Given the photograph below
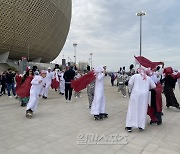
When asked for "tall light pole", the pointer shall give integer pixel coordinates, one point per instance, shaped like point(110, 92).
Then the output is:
point(91, 59)
point(75, 45)
point(140, 14)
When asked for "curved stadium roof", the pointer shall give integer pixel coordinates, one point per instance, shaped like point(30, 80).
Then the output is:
point(37, 27)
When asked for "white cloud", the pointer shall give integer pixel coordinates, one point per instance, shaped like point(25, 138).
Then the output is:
point(110, 30)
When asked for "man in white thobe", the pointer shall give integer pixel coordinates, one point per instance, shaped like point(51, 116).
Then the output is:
point(62, 83)
point(139, 86)
point(37, 84)
point(98, 104)
point(49, 77)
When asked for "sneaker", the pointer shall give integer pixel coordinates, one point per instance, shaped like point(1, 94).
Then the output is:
point(129, 129)
point(124, 96)
point(140, 129)
point(15, 96)
point(29, 114)
point(44, 97)
point(10, 96)
point(177, 107)
point(159, 122)
point(153, 122)
point(76, 97)
point(67, 101)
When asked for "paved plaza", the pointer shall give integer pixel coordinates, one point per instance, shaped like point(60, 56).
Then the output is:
point(68, 128)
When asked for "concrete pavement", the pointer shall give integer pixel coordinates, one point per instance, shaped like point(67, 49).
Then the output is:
point(68, 128)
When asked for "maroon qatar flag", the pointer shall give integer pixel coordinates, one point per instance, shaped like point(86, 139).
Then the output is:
point(55, 84)
point(146, 62)
point(24, 89)
point(83, 81)
point(18, 79)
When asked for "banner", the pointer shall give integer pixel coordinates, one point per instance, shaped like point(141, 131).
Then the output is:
point(146, 62)
point(82, 82)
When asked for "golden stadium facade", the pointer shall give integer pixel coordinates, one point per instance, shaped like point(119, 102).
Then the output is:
point(36, 29)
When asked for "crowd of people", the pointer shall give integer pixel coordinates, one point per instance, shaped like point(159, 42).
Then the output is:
point(32, 84)
point(144, 86)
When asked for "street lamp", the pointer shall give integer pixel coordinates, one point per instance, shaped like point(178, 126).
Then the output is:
point(75, 45)
point(140, 14)
point(91, 59)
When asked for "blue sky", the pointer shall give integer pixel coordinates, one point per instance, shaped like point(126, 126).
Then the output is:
point(110, 30)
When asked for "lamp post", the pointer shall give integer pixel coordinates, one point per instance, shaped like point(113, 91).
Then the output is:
point(75, 45)
point(91, 59)
point(140, 14)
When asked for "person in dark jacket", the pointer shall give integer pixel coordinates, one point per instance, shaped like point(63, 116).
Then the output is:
point(112, 78)
point(68, 76)
point(3, 83)
point(10, 82)
point(169, 86)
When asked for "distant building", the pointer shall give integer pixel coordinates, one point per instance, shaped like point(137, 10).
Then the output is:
point(82, 66)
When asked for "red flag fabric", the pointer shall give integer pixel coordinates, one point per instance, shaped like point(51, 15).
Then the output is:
point(24, 89)
point(18, 79)
point(83, 81)
point(158, 90)
point(146, 62)
point(151, 111)
point(55, 84)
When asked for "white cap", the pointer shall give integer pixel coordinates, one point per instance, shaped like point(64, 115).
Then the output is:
point(49, 68)
point(43, 72)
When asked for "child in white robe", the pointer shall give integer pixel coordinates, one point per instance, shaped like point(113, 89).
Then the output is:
point(37, 84)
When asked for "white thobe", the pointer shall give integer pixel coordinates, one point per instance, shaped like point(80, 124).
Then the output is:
point(62, 83)
point(98, 104)
point(178, 80)
point(35, 91)
point(138, 102)
point(159, 73)
point(49, 77)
